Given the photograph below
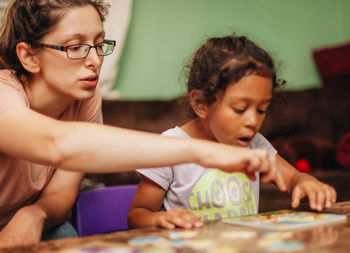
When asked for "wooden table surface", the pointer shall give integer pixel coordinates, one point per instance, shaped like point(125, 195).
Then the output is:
point(210, 238)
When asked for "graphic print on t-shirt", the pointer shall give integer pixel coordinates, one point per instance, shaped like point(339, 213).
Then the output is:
point(220, 195)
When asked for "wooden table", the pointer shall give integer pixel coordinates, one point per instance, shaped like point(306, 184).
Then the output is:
point(334, 238)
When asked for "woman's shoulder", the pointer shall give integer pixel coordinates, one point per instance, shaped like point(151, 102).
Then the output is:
point(12, 93)
point(8, 77)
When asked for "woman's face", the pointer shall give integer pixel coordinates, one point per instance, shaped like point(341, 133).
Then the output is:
point(67, 78)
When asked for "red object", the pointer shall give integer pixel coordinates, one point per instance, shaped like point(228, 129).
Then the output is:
point(303, 165)
point(343, 151)
point(333, 61)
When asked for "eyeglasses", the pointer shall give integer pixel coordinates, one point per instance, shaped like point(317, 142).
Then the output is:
point(81, 51)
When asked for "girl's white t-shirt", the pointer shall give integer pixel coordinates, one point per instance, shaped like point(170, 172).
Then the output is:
point(209, 192)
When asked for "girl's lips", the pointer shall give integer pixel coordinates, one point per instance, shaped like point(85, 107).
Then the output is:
point(244, 141)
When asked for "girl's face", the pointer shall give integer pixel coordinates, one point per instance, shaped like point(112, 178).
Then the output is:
point(239, 113)
point(63, 77)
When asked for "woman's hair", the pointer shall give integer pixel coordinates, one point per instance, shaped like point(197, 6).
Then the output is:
point(225, 60)
point(29, 21)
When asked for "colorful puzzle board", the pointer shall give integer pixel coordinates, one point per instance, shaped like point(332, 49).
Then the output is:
point(286, 220)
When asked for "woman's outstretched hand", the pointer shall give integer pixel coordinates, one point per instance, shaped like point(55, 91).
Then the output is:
point(249, 161)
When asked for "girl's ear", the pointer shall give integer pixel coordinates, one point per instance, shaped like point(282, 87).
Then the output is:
point(198, 103)
point(28, 57)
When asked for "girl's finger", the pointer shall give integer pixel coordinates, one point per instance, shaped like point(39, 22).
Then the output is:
point(321, 197)
point(334, 195)
point(180, 222)
point(312, 200)
point(189, 217)
point(329, 196)
point(296, 196)
point(164, 223)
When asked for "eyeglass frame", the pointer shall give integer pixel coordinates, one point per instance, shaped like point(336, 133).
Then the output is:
point(65, 48)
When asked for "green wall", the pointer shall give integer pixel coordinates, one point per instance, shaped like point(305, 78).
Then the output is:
point(163, 35)
point(345, 7)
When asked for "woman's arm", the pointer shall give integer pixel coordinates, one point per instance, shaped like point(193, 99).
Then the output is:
point(52, 208)
point(300, 185)
point(58, 197)
point(88, 147)
point(144, 209)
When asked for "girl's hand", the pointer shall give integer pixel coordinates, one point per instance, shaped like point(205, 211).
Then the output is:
point(178, 217)
point(25, 228)
point(320, 194)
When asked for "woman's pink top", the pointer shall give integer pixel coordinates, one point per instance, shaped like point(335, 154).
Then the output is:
point(17, 188)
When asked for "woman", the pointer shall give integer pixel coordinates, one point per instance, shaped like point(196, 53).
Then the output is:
point(51, 55)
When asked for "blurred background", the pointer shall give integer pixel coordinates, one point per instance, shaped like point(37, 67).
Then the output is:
point(157, 38)
point(163, 35)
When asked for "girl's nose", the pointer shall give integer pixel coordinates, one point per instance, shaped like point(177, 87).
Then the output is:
point(251, 119)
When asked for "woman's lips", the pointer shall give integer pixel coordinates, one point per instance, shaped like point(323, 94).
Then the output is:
point(90, 81)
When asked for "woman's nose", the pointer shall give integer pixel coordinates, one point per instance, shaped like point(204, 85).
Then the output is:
point(93, 58)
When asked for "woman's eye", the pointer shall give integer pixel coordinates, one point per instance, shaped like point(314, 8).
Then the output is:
point(75, 48)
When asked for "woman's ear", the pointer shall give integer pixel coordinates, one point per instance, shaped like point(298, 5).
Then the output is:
point(28, 57)
point(198, 103)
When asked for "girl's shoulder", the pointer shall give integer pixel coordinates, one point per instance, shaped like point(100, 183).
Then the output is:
point(260, 142)
point(176, 132)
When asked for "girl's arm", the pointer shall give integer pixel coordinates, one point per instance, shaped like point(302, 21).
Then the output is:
point(144, 209)
point(50, 209)
point(88, 147)
point(300, 185)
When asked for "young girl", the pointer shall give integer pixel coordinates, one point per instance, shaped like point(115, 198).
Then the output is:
point(230, 86)
point(51, 52)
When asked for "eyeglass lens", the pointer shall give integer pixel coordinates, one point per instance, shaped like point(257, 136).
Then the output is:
point(81, 51)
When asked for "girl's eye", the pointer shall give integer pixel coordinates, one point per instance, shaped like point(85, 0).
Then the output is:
point(261, 111)
point(239, 110)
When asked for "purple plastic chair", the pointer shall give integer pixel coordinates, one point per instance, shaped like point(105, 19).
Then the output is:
point(103, 210)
